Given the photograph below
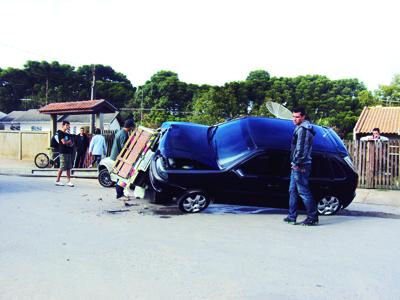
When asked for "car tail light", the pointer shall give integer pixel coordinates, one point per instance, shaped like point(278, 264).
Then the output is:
point(349, 162)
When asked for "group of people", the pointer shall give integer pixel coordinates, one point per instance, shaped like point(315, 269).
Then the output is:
point(97, 148)
point(72, 150)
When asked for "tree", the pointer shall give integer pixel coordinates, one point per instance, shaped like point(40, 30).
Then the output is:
point(110, 85)
point(390, 94)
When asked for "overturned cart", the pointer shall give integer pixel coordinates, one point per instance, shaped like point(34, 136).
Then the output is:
point(132, 164)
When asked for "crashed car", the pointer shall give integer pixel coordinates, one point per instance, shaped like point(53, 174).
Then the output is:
point(246, 161)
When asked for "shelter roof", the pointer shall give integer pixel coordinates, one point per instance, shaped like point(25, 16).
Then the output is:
point(79, 107)
point(387, 119)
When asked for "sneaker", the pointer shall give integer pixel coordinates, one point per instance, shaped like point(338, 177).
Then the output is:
point(59, 183)
point(289, 220)
point(70, 184)
point(123, 198)
point(310, 222)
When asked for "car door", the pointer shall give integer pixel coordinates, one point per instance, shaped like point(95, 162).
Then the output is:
point(321, 177)
point(259, 180)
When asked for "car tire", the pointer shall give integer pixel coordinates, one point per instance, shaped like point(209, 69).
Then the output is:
point(193, 201)
point(105, 178)
point(329, 205)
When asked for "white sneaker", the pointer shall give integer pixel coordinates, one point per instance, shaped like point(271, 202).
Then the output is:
point(124, 198)
point(70, 183)
point(59, 183)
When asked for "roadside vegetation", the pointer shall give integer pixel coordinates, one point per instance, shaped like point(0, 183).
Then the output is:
point(335, 103)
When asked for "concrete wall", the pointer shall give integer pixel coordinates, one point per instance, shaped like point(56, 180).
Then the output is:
point(23, 144)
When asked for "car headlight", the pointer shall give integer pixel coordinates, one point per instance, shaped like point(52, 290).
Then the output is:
point(160, 167)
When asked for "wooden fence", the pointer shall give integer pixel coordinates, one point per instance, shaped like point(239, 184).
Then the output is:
point(377, 163)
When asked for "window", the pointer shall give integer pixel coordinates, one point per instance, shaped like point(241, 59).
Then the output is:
point(337, 169)
point(320, 167)
point(270, 164)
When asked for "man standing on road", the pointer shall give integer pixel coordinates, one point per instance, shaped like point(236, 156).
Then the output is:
point(65, 148)
point(119, 142)
point(82, 143)
point(300, 157)
point(97, 147)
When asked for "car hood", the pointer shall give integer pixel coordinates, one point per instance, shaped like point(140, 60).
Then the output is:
point(186, 140)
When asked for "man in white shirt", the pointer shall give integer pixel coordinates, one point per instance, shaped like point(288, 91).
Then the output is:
point(376, 136)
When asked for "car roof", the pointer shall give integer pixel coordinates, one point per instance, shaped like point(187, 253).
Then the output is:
point(273, 133)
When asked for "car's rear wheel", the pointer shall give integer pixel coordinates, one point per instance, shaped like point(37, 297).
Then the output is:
point(105, 178)
point(328, 205)
point(193, 201)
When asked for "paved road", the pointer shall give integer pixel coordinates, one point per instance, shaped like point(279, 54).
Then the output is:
point(80, 243)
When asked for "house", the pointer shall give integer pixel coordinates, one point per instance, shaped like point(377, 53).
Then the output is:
point(8, 121)
point(387, 119)
point(32, 120)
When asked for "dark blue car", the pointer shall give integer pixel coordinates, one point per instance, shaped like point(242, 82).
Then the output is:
point(246, 161)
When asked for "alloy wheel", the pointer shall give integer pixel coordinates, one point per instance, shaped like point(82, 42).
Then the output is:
point(328, 205)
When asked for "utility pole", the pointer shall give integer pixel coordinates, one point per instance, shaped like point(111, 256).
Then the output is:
point(141, 109)
point(93, 82)
point(47, 89)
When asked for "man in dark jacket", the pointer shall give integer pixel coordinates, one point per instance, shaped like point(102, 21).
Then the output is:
point(119, 142)
point(81, 143)
point(300, 157)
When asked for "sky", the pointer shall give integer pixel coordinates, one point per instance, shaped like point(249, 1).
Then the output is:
point(208, 41)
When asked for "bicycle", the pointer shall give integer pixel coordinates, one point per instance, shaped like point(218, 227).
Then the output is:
point(43, 160)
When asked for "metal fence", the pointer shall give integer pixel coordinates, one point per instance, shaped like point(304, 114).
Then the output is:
point(377, 163)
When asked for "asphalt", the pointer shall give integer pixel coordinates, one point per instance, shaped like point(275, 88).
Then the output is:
point(27, 168)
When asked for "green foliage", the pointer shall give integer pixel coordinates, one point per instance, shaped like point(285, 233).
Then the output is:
point(43, 82)
point(335, 103)
point(390, 94)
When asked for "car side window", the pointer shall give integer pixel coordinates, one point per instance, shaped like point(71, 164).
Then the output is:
point(337, 169)
point(269, 164)
point(320, 167)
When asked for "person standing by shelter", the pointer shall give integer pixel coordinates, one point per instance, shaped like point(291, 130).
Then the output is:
point(65, 148)
point(97, 147)
point(300, 158)
point(81, 143)
point(119, 141)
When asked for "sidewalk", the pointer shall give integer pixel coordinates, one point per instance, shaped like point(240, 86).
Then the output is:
point(364, 196)
point(9, 166)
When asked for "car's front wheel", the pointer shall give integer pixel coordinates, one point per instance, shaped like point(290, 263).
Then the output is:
point(105, 178)
point(328, 205)
point(193, 201)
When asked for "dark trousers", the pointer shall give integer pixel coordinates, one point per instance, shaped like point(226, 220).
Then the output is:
point(79, 159)
point(119, 190)
point(96, 160)
point(299, 188)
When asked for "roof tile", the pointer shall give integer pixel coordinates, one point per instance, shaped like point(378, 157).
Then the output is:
point(387, 119)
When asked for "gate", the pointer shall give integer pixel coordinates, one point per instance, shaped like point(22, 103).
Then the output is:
point(377, 163)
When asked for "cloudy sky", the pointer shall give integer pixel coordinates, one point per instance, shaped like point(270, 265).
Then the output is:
point(208, 41)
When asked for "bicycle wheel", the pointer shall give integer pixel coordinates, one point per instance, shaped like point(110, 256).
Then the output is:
point(42, 160)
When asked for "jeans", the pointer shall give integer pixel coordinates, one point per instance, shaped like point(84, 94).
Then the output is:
point(299, 187)
point(96, 160)
point(120, 190)
point(79, 159)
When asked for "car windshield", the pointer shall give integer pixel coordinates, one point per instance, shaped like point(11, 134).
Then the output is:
point(231, 141)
